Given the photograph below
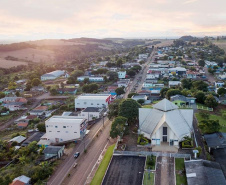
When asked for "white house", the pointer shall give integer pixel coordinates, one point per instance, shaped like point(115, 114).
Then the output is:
point(143, 56)
point(165, 123)
point(92, 100)
point(91, 78)
point(219, 84)
point(174, 83)
point(64, 128)
point(91, 113)
point(177, 71)
point(21, 180)
point(121, 74)
point(52, 75)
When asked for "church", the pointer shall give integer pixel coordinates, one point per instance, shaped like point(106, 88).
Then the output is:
point(165, 123)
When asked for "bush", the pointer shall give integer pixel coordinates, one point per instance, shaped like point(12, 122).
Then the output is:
point(199, 149)
point(141, 140)
point(150, 162)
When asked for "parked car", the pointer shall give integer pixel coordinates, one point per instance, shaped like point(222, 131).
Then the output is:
point(76, 155)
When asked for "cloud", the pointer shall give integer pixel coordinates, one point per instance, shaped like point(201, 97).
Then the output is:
point(31, 19)
point(190, 1)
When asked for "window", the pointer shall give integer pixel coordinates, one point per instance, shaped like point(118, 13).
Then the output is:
point(91, 103)
point(75, 132)
point(50, 131)
point(66, 131)
point(56, 126)
point(46, 125)
point(58, 131)
point(64, 126)
point(84, 102)
point(164, 130)
point(78, 103)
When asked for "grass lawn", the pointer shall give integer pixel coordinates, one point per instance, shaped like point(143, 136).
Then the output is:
point(214, 117)
point(147, 106)
point(148, 166)
point(180, 171)
point(7, 134)
point(97, 179)
point(148, 180)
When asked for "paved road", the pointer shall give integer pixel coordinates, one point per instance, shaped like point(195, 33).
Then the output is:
point(165, 171)
point(79, 175)
point(209, 76)
point(141, 74)
point(88, 160)
point(65, 167)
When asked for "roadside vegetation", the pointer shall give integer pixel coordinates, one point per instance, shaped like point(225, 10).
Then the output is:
point(180, 171)
point(98, 178)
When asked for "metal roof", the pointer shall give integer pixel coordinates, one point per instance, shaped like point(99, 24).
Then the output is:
point(206, 173)
point(165, 105)
point(216, 140)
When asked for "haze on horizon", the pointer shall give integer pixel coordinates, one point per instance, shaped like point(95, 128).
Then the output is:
point(57, 19)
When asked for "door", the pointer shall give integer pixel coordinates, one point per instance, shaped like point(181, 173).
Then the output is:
point(164, 134)
point(164, 138)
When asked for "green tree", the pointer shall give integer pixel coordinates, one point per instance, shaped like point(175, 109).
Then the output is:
point(112, 75)
point(221, 91)
point(118, 126)
point(200, 85)
point(2, 94)
point(36, 82)
point(119, 62)
point(131, 73)
point(89, 88)
point(129, 109)
point(86, 80)
point(119, 91)
point(186, 83)
point(201, 63)
point(163, 92)
point(53, 91)
point(41, 127)
point(200, 97)
point(210, 101)
point(17, 93)
point(210, 126)
point(172, 92)
point(141, 101)
point(204, 115)
point(12, 85)
point(113, 108)
point(131, 94)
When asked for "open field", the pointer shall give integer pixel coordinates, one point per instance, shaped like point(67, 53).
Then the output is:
point(125, 170)
point(148, 178)
point(9, 63)
point(214, 117)
point(221, 44)
point(164, 43)
point(34, 55)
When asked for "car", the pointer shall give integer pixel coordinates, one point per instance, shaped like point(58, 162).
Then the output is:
point(76, 155)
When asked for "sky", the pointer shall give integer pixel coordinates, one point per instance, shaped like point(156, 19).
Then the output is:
point(63, 19)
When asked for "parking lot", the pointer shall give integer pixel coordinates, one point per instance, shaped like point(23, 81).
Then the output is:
point(125, 170)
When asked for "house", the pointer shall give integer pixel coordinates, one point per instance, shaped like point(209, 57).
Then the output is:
point(139, 97)
point(222, 100)
point(165, 123)
point(34, 137)
point(203, 172)
point(219, 84)
point(191, 74)
point(21, 180)
point(92, 100)
point(123, 83)
point(37, 89)
point(178, 71)
point(209, 64)
point(25, 119)
point(155, 95)
point(122, 74)
point(67, 90)
point(53, 151)
point(52, 75)
point(91, 78)
point(91, 113)
point(143, 56)
point(64, 128)
point(174, 84)
point(182, 100)
point(14, 106)
point(111, 89)
point(22, 125)
point(40, 110)
point(13, 99)
point(18, 139)
point(215, 140)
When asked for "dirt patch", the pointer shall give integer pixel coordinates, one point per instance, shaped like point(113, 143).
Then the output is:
point(9, 63)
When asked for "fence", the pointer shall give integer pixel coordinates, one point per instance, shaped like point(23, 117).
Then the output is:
point(157, 154)
point(204, 108)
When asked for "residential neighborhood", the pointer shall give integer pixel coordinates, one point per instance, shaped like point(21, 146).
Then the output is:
point(156, 114)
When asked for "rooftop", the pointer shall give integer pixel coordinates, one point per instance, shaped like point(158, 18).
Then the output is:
point(216, 140)
point(165, 105)
point(52, 149)
point(202, 172)
point(92, 109)
point(93, 96)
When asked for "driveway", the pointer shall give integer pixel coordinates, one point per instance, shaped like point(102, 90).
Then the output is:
point(165, 171)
